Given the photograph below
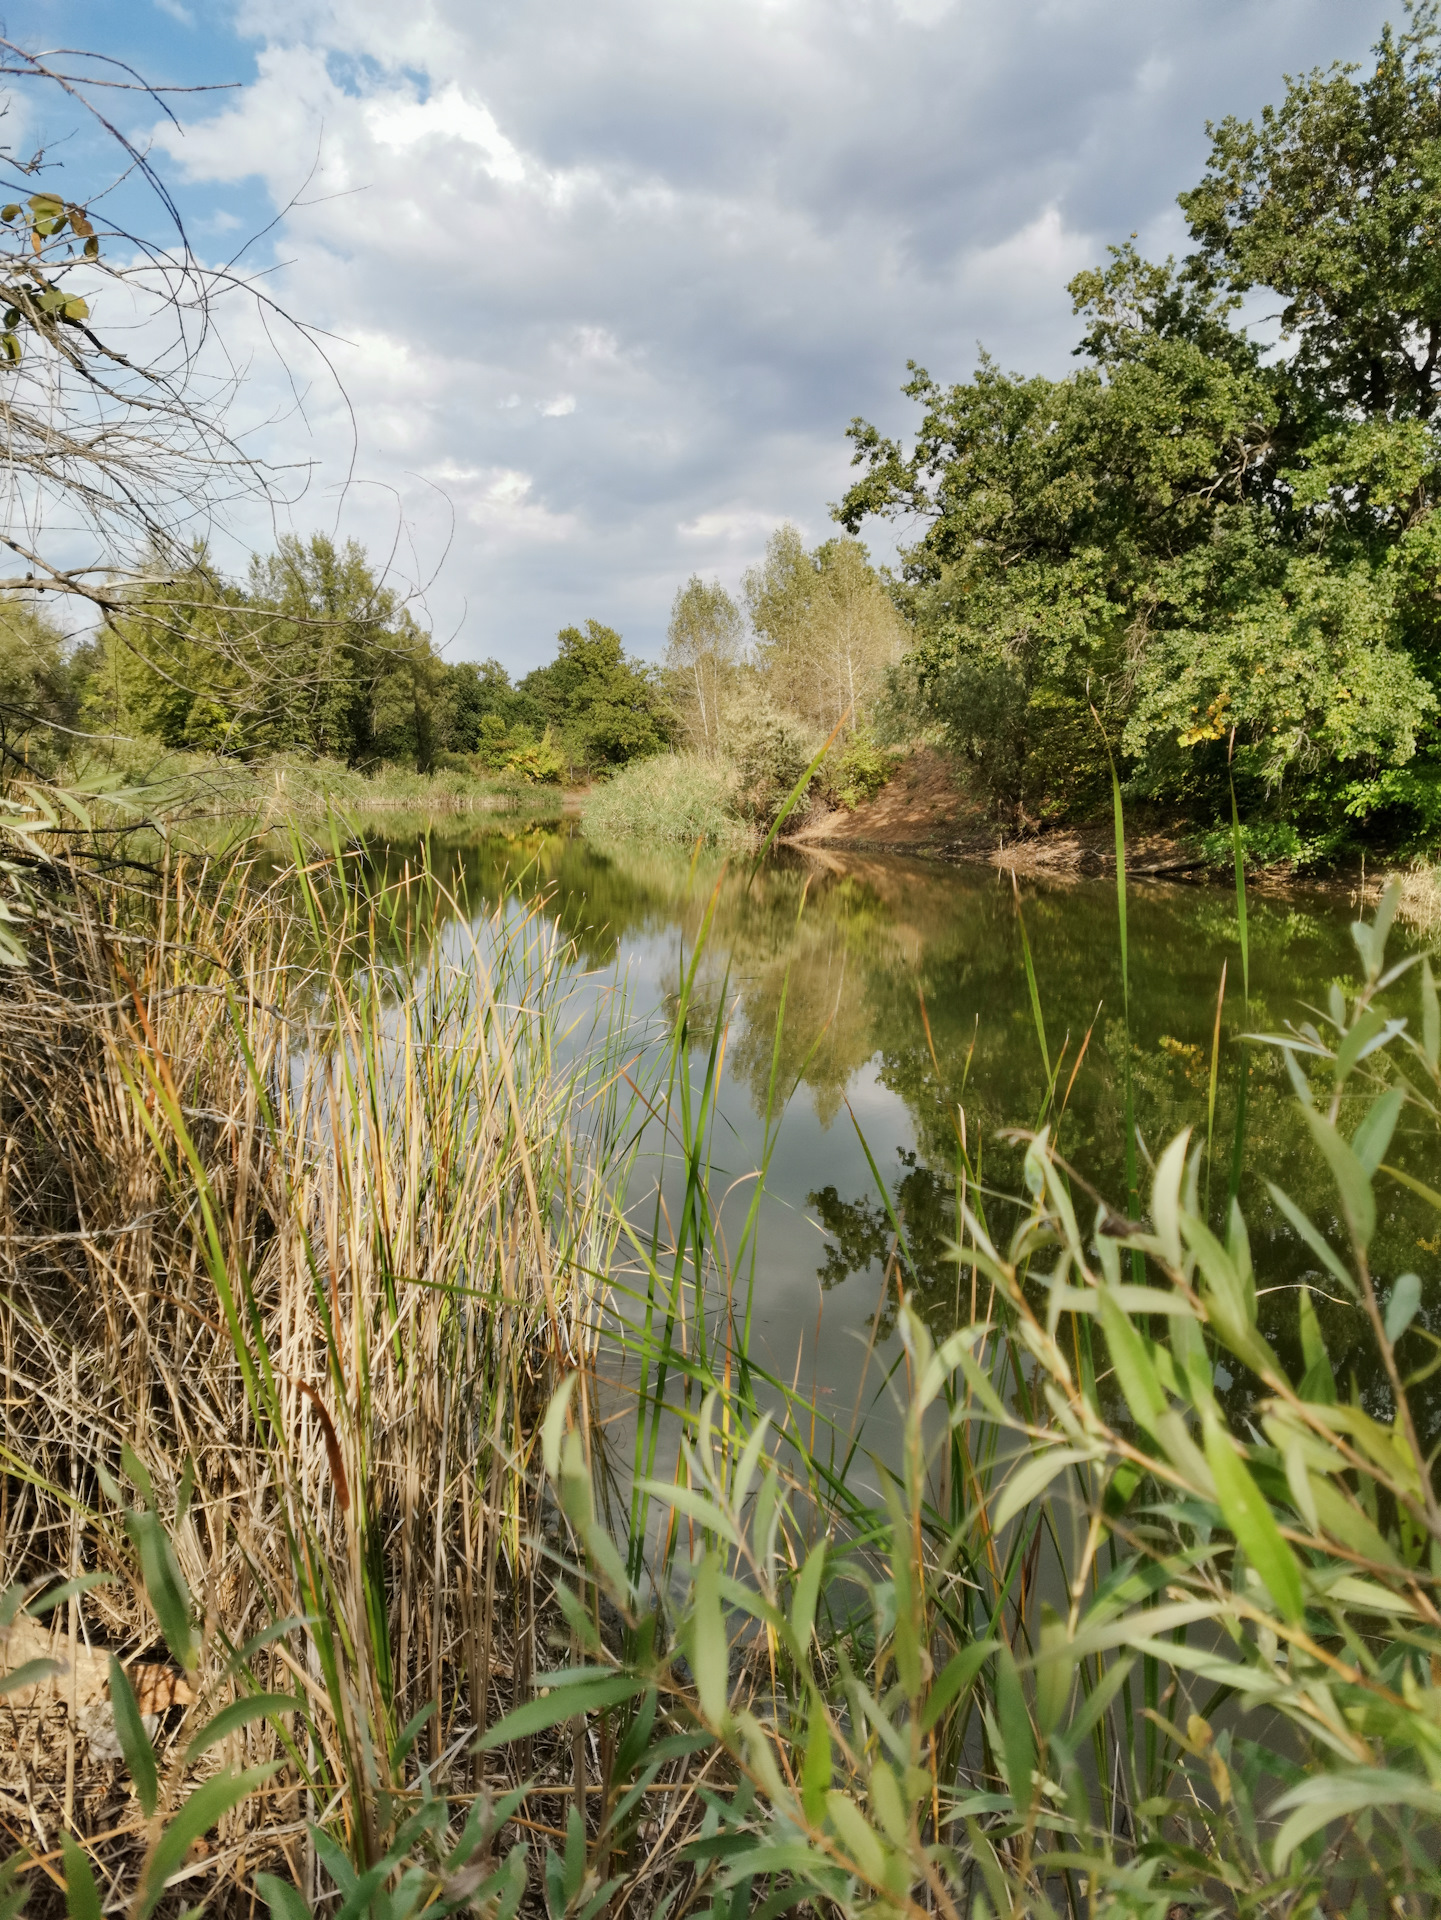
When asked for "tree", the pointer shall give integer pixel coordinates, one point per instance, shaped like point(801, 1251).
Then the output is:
point(1334, 202)
point(1232, 558)
point(485, 715)
point(42, 677)
point(826, 629)
point(705, 645)
point(604, 707)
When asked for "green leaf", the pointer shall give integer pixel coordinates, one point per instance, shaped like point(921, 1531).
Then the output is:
point(1329, 1259)
point(589, 1692)
point(1252, 1522)
point(957, 1674)
point(1352, 1179)
point(805, 1598)
point(1336, 1796)
point(198, 1815)
point(82, 1897)
point(134, 1741)
point(284, 1901)
point(1401, 1307)
point(1318, 1383)
point(1036, 1473)
point(816, 1768)
point(164, 1584)
point(1430, 1018)
point(29, 1675)
point(1132, 1364)
point(1378, 1123)
point(240, 1713)
point(709, 1651)
point(857, 1836)
point(1018, 1741)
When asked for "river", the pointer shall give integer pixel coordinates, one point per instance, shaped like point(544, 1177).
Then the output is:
point(908, 1017)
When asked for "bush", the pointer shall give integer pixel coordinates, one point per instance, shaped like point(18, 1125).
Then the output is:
point(540, 761)
point(676, 796)
point(769, 750)
point(859, 771)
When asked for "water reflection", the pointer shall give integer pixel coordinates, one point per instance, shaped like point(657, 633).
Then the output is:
point(907, 1020)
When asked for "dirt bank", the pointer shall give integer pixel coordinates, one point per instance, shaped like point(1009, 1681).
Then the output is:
point(926, 810)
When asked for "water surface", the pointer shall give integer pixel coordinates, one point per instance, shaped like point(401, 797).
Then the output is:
point(909, 1023)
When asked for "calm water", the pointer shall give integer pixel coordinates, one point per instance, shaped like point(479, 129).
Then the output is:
point(907, 1007)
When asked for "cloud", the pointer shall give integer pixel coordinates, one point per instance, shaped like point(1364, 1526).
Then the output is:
point(705, 236)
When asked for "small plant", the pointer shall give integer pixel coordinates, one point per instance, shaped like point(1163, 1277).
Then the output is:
point(859, 771)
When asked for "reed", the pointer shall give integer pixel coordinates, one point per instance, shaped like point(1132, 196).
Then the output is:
point(377, 1331)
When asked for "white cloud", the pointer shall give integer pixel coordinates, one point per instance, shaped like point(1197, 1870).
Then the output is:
point(557, 409)
point(400, 123)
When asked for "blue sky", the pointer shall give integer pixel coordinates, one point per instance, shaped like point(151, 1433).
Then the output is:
point(603, 284)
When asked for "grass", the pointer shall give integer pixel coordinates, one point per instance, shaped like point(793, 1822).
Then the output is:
point(332, 1266)
point(288, 787)
point(676, 796)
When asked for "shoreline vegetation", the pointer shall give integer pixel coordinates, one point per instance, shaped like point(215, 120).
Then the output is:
point(329, 1273)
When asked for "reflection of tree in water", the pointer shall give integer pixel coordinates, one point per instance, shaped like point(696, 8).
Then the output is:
point(863, 1239)
point(855, 946)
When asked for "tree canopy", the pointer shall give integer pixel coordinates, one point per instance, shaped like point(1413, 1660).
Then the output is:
point(1214, 552)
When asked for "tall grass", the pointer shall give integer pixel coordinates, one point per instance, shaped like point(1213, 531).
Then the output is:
point(676, 796)
point(331, 1264)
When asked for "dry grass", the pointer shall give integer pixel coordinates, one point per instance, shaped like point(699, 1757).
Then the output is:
point(280, 1226)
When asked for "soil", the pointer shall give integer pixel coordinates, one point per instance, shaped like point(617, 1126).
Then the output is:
point(926, 810)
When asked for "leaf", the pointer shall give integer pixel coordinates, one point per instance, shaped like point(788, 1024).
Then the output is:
point(284, 1901)
point(1430, 1018)
point(240, 1713)
point(1132, 1364)
point(134, 1742)
point(1334, 1796)
point(82, 1897)
point(1018, 1742)
point(858, 1837)
point(1166, 1196)
point(1027, 1481)
point(1352, 1180)
point(1378, 1123)
point(1401, 1307)
point(588, 1693)
point(805, 1598)
point(1252, 1522)
point(200, 1812)
point(1319, 1381)
point(957, 1674)
point(29, 1675)
point(1323, 1252)
point(164, 1584)
point(816, 1767)
point(709, 1651)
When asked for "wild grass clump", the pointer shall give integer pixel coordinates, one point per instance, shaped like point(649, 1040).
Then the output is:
point(675, 796)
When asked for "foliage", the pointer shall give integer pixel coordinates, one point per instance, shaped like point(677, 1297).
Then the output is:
point(670, 796)
point(826, 630)
point(858, 771)
point(769, 750)
point(605, 709)
point(1227, 554)
point(704, 650)
point(485, 715)
point(42, 681)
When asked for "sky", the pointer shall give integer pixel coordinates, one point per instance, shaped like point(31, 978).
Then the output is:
point(601, 286)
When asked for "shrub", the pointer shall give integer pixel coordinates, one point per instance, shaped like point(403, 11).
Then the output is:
point(859, 771)
point(769, 750)
point(676, 796)
point(540, 761)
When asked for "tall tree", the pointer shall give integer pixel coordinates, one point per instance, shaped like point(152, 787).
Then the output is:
point(605, 708)
point(705, 645)
point(827, 631)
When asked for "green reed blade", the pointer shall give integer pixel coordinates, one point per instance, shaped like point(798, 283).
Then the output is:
point(1238, 1148)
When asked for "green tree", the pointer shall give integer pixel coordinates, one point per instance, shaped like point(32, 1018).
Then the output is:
point(1231, 555)
point(604, 707)
point(42, 685)
point(826, 629)
point(705, 646)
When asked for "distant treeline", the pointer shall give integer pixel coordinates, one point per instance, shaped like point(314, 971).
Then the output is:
point(316, 655)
